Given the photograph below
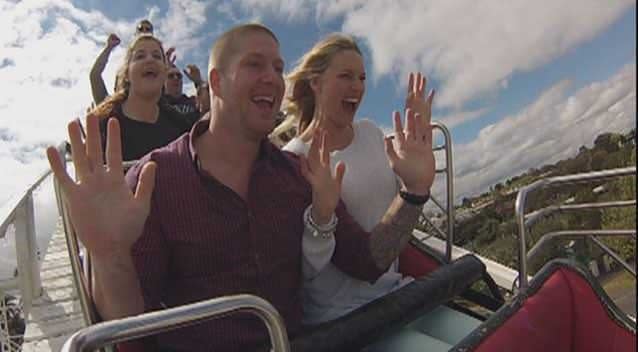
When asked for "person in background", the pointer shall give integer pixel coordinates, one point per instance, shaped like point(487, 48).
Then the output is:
point(173, 91)
point(98, 88)
point(145, 122)
point(144, 27)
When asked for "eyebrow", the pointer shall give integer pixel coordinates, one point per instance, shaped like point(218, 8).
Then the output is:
point(349, 70)
point(258, 55)
point(154, 51)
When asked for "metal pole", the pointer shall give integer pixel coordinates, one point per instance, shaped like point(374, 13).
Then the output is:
point(450, 189)
point(614, 255)
point(112, 332)
point(568, 179)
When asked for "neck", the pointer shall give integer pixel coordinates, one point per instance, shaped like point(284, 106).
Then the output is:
point(339, 137)
point(227, 156)
point(221, 145)
point(141, 108)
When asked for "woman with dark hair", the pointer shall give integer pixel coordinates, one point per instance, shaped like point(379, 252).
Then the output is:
point(145, 122)
point(98, 88)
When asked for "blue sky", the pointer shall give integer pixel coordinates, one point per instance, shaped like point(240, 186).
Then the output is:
point(520, 83)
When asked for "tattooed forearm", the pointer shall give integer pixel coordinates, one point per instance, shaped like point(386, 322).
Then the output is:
point(394, 231)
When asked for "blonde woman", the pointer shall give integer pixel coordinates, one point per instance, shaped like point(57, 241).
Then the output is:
point(327, 87)
point(145, 123)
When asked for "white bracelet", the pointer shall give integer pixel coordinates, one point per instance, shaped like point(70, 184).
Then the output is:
point(320, 230)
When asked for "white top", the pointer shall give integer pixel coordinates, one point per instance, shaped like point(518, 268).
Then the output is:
point(369, 187)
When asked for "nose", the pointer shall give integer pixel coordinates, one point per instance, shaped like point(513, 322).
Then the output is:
point(358, 86)
point(269, 75)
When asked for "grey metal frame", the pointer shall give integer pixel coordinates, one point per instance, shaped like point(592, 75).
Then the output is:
point(449, 207)
point(525, 221)
point(112, 332)
point(449, 179)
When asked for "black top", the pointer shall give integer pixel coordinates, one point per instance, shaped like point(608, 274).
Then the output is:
point(185, 105)
point(139, 138)
point(182, 103)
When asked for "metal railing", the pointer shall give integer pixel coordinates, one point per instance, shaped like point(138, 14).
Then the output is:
point(112, 332)
point(448, 209)
point(19, 211)
point(526, 220)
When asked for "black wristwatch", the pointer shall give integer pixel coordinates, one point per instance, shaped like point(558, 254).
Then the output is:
point(414, 199)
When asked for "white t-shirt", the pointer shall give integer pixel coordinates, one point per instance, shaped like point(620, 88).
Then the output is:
point(369, 187)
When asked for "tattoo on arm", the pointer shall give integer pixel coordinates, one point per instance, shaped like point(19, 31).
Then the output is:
point(390, 236)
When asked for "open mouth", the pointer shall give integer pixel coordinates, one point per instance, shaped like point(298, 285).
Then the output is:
point(264, 101)
point(350, 104)
point(150, 73)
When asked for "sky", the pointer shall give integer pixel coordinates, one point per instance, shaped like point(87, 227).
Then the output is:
point(519, 83)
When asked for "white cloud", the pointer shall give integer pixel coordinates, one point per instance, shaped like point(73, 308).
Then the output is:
point(472, 47)
point(184, 19)
point(458, 118)
point(548, 130)
point(46, 51)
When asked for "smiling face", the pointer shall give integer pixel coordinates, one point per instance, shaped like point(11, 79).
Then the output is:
point(146, 71)
point(338, 91)
point(252, 85)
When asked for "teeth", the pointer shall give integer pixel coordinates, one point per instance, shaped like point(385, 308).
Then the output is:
point(352, 100)
point(264, 98)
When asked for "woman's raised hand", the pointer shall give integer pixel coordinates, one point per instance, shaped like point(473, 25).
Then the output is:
point(410, 153)
point(106, 215)
point(326, 188)
point(416, 100)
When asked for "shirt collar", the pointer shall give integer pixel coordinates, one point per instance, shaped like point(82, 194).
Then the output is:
point(267, 150)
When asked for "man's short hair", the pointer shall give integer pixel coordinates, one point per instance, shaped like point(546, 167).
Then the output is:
point(227, 43)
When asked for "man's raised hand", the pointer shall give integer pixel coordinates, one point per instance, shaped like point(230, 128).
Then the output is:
point(192, 72)
point(106, 215)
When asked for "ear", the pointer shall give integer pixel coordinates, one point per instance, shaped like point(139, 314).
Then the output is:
point(214, 82)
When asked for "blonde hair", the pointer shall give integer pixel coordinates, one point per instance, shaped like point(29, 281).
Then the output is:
point(123, 84)
point(227, 43)
point(300, 101)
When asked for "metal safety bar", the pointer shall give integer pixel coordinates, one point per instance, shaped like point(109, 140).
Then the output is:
point(116, 331)
point(533, 217)
point(449, 181)
point(586, 234)
point(524, 221)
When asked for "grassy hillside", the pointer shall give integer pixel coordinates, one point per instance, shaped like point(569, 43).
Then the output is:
point(491, 230)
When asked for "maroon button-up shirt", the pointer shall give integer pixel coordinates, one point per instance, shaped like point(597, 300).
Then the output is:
point(202, 240)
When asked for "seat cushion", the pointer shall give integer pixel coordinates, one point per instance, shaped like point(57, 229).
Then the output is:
point(564, 309)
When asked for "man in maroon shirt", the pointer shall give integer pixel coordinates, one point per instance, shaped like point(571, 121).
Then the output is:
point(220, 210)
